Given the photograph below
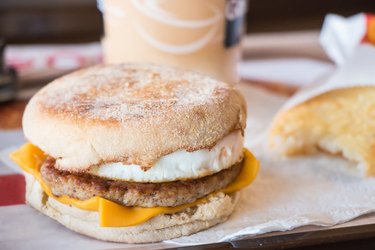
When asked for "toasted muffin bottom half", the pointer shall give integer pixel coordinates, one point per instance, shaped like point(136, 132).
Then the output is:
point(162, 227)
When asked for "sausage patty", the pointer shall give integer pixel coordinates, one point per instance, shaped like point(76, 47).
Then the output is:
point(84, 186)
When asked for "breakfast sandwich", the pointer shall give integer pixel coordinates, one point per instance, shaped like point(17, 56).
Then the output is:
point(135, 153)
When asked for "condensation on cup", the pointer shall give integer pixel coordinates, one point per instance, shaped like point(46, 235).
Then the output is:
point(200, 35)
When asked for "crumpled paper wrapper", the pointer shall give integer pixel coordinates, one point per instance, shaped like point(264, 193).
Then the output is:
point(350, 43)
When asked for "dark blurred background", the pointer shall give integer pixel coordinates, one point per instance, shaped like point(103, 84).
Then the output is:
point(70, 21)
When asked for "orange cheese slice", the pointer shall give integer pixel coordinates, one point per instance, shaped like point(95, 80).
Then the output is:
point(111, 214)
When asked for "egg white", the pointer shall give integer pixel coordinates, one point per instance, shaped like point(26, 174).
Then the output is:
point(180, 165)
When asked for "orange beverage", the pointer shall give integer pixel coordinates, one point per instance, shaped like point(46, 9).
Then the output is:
point(193, 34)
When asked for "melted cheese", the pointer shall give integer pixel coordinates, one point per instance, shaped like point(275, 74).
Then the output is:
point(111, 214)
